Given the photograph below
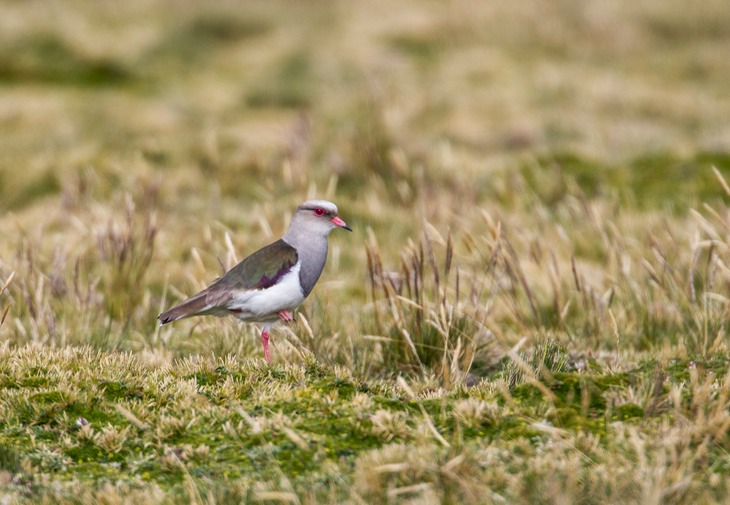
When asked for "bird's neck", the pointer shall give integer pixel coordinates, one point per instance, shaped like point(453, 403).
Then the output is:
point(312, 252)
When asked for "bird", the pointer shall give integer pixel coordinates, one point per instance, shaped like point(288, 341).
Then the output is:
point(270, 284)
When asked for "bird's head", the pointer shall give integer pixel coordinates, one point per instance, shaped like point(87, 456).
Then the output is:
point(317, 216)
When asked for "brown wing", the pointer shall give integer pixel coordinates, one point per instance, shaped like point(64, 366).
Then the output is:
point(260, 270)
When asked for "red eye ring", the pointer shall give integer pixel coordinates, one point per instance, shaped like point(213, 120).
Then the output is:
point(319, 212)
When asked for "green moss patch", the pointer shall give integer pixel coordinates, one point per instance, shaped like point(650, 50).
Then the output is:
point(660, 180)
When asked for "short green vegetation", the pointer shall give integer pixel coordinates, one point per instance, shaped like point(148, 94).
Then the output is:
point(207, 422)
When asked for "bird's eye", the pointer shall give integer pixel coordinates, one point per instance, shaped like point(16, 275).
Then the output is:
point(319, 212)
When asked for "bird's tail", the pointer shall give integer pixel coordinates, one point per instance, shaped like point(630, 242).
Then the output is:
point(191, 307)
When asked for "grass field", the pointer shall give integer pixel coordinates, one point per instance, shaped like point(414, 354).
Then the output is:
point(532, 308)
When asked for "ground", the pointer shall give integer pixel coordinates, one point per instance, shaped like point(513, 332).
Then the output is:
point(533, 305)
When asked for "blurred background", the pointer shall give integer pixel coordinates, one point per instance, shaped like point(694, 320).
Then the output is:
point(219, 97)
point(145, 145)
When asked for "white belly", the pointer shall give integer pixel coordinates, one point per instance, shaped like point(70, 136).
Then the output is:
point(263, 305)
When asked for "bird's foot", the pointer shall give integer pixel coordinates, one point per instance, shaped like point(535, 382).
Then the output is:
point(265, 342)
point(286, 316)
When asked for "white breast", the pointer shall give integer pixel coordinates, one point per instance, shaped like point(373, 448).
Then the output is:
point(262, 305)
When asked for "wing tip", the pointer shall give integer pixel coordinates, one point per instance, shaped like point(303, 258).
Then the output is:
point(194, 306)
point(165, 318)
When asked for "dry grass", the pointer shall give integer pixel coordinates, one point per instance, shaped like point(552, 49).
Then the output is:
point(533, 306)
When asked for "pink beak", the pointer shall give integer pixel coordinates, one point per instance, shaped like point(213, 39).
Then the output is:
point(339, 222)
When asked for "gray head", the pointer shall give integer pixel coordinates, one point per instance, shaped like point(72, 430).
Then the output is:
point(312, 223)
point(315, 217)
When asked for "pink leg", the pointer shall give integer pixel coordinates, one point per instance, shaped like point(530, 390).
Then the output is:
point(265, 342)
point(286, 316)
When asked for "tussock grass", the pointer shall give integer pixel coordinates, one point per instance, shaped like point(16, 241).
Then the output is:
point(533, 307)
